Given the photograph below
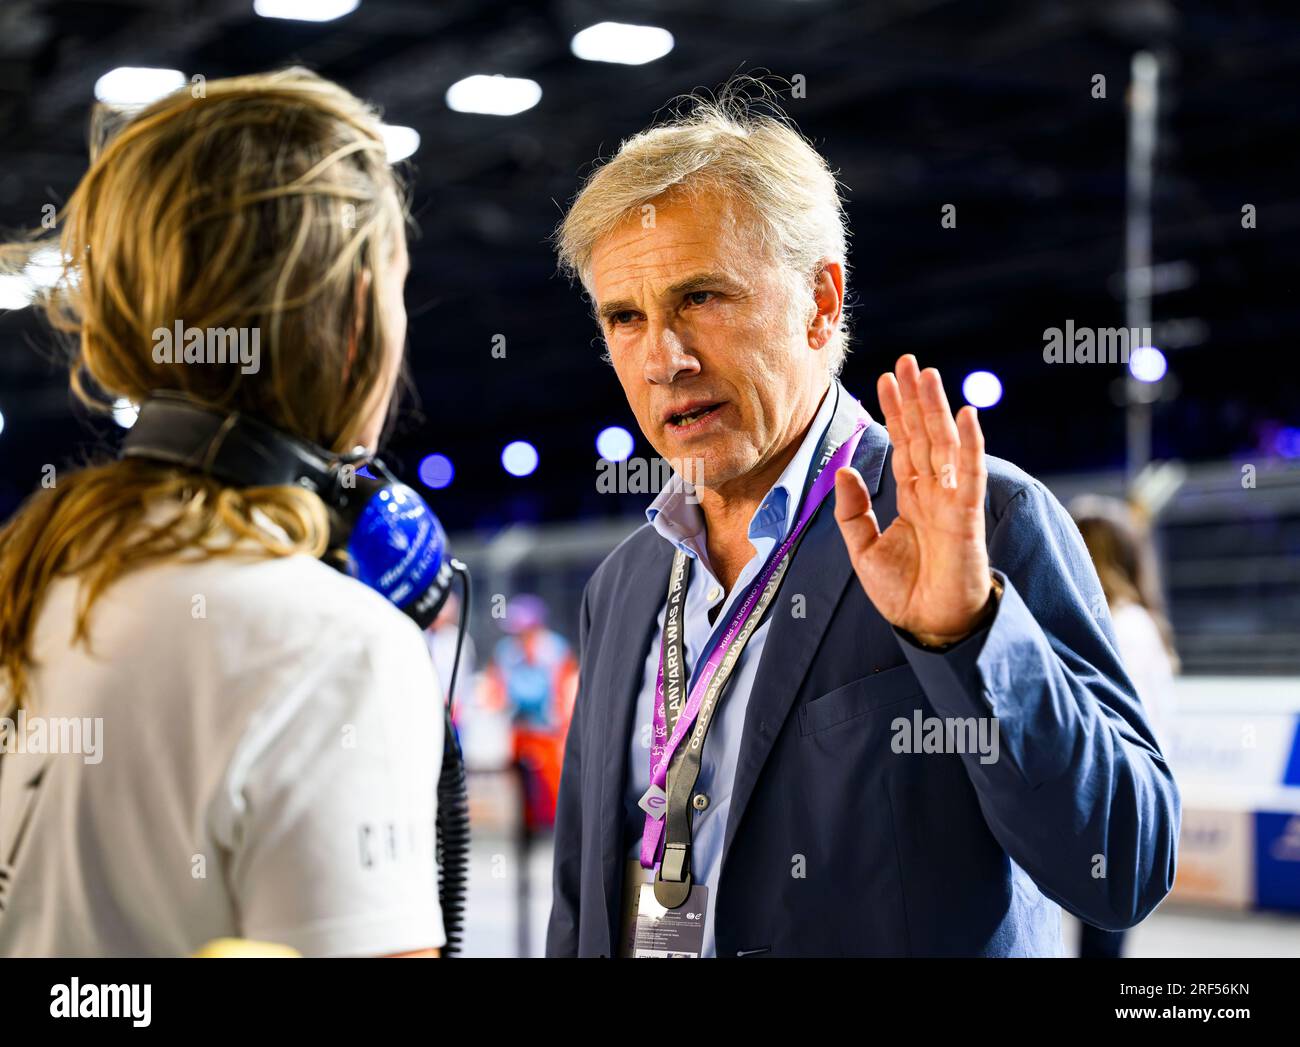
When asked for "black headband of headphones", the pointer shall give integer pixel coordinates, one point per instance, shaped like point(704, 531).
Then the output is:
point(232, 447)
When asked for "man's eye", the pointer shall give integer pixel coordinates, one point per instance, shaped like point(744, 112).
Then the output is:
point(625, 317)
point(699, 297)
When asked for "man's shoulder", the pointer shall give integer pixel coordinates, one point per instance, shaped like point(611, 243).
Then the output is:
point(1007, 482)
point(630, 563)
point(1018, 503)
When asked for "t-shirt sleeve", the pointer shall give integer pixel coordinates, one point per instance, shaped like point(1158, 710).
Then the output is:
point(331, 800)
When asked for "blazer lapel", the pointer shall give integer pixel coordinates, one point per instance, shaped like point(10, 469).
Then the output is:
point(820, 571)
point(634, 615)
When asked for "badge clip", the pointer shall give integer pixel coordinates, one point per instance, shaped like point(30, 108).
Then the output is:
point(673, 878)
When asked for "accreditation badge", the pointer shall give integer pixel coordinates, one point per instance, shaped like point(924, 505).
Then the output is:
point(648, 930)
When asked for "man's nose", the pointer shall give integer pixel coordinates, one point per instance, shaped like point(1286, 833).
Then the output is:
point(668, 359)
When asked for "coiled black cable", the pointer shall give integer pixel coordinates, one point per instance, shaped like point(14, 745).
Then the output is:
point(452, 829)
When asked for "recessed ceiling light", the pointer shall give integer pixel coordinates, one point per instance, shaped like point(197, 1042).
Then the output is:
point(305, 10)
point(131, 85)
point(622, 43)
point(494, 95)
point(400, 142)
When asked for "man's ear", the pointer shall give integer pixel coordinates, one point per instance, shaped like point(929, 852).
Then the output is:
point(828, 297)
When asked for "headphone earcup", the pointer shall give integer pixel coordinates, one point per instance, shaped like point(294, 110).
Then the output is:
point(397, 546)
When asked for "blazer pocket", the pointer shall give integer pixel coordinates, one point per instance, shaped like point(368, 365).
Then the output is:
point(859, 698)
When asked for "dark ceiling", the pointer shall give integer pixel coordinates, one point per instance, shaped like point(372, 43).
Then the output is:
point(918, 104)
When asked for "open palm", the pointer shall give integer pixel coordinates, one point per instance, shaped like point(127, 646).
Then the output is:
point(928, 572)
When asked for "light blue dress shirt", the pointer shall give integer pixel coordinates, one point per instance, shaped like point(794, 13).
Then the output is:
point(680, 522)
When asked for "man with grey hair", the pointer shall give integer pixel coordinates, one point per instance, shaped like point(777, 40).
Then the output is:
point(767, 757)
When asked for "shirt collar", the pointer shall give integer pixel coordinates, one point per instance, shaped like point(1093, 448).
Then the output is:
point(677, 517)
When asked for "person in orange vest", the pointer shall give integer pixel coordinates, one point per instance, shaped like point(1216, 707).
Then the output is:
point(534, 674)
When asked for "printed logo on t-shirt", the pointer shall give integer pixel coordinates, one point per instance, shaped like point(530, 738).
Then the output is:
point(385, 843)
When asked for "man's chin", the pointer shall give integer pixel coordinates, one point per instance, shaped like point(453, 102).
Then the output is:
point(705, 462)
point(705, 467)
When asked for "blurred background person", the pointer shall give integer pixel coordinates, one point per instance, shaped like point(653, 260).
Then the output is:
point(1119, 542)
point(533, 676)
point(441, 638)
point(531, 682)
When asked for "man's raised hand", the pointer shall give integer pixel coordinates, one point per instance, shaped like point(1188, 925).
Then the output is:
point(928, 572)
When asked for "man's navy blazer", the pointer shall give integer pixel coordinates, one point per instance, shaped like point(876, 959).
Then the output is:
point(836, 844)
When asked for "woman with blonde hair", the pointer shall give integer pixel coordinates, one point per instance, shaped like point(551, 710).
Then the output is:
point(266, 753)
point(1118, 538)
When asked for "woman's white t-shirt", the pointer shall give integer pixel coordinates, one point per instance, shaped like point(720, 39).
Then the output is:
point(260, 746)
point(1149, 666)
